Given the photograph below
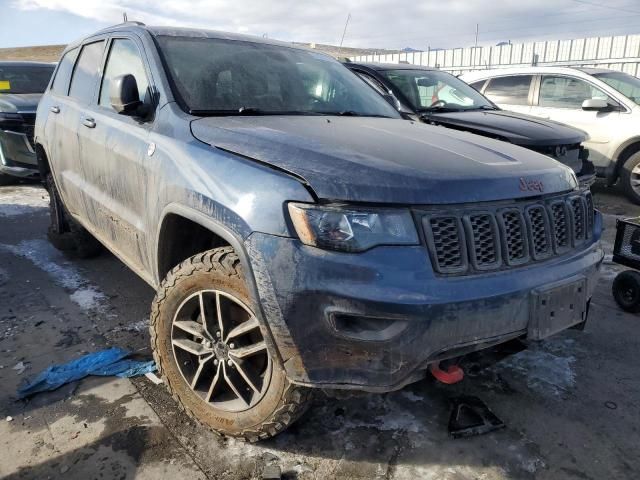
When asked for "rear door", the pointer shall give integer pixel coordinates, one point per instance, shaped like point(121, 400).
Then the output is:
point(511, 92)
point(114, 152)
point(560, 98)
point(68, 111)
point(60, 131)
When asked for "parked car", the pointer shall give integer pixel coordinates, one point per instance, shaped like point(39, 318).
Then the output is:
point(21, 85)
point(299, 236)
point(603, 103)
point(439, 98)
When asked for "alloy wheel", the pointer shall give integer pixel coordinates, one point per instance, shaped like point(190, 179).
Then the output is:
point(220, 351)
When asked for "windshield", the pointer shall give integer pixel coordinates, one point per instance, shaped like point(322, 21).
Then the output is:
point(430, 89)
point(25, 78)
point(626, 84)
point(230, 77)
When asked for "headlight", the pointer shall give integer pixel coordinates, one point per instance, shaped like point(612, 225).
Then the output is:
point(352, 229)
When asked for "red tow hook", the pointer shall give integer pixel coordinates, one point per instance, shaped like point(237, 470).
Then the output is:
point(453, 374)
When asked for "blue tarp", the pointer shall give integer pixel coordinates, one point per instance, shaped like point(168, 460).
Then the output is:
point(112, 361)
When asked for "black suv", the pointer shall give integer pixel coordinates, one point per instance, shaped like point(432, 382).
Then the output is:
point(21, 86)
point(298, 234)
point(439, 98)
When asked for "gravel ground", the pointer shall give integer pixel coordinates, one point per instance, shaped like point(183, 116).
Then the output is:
point(570, 404)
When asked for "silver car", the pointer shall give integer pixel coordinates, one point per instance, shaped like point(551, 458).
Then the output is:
point(603, 103)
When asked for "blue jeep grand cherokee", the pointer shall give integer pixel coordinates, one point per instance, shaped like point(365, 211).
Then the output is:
point(298, 233)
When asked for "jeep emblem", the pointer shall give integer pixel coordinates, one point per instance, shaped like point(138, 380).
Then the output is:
point(531, 185)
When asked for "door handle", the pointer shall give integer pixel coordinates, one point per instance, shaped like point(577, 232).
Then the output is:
point(89, 122)
point(55, 109)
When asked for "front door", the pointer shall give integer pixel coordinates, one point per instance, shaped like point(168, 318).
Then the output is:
point(114, 150)
point(561, 98)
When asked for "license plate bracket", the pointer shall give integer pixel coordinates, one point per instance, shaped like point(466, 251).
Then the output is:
point(557, 307)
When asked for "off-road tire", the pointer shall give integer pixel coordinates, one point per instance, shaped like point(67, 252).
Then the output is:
point(64, 232)
point(626, 291)
point(282, 404)
point(626, 177)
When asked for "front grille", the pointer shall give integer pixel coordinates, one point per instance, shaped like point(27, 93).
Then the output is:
point(445, 239)
point(468, 240)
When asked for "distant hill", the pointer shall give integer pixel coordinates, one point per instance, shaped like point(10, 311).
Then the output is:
point(51, 53)
point(44, 53)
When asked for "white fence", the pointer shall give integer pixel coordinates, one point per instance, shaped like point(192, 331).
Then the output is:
point(616, 53)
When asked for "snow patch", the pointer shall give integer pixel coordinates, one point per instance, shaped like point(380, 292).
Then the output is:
point(42, 254)
point(88, 298)
point(547, 368)
point(22, 200)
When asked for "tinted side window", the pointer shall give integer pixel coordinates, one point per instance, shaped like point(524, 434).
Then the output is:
point(568, 92)
point(478, 85)
point(84, 77)
point(124, 58)
point(63, 74)
point(512, 90)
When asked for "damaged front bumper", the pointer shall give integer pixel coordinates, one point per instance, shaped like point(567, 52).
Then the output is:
point(17, 155)
point(375, 320)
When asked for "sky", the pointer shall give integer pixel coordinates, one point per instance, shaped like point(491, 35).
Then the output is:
point(382, 24)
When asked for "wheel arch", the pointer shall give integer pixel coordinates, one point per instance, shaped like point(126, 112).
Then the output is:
point(624, 151)
point(221, 232)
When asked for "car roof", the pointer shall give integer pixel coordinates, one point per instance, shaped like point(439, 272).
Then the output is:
point(26, 64)
point(137, 27)
point(499, 72)
point(389, 66)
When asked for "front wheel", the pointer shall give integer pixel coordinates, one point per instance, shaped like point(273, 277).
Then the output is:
point(630, 178)
point(212, 351)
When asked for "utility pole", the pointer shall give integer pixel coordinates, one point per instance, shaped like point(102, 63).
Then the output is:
point(345, 28)
point(475, 48)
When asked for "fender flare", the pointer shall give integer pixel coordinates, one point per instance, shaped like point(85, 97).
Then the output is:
point(234, 241)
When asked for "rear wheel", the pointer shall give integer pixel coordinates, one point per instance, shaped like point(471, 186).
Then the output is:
point(630, 177)
point(213, 353)
point(64, 232)
point(626, 291)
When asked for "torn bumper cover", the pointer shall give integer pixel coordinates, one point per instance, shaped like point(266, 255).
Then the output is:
point(17, 155)
point(375, 320)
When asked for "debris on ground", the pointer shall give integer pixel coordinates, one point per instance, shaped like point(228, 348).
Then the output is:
point(471, 417)
point(9, 419)
point(154, 378)
point(109, 362)
point(20, 367)
point(271, 472)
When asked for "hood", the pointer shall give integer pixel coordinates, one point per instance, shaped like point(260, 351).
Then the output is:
point(16, 102)
point(379, 160)
point(517, 128)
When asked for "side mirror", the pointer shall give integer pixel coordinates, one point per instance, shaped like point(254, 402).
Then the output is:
point(124, 95)
point(595, 104)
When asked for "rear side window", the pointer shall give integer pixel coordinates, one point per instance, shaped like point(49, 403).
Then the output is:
point(84, 77)
point(124, 58)
point(512, 90)
point(63, 74)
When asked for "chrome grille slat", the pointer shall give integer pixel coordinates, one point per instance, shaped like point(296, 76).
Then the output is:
point(469, 240)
